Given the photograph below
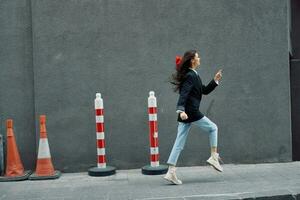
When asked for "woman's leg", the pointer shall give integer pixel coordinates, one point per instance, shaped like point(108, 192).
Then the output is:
point(183, 130)
point(182, 133)
point(207, 125)
point(210, 127)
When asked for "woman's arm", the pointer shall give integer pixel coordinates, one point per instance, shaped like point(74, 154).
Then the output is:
point(212, 84)
point(209, 88)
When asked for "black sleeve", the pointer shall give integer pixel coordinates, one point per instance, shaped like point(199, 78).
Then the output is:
point(185, 89)
point(210, 87)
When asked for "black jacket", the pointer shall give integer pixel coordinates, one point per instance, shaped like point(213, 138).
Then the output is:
point(191, 91)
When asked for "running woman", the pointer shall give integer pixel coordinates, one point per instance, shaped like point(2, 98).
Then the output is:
point(188, 82)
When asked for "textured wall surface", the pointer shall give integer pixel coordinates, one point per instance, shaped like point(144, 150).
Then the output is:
point(124, 49)
point(16, 76)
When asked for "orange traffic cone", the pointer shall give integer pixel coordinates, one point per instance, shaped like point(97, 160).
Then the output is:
point(14, 167)
point(44, 166)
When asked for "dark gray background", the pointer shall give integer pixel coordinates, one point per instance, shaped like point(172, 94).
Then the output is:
point(124, 49)
point(295, 15)
point(295, 103)
point(294, 74)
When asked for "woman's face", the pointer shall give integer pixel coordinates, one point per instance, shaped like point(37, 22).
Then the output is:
point(196, 60)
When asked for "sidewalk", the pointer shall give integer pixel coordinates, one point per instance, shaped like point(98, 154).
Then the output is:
point(278, 181)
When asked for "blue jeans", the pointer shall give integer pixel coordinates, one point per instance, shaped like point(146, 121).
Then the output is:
point(182, 133)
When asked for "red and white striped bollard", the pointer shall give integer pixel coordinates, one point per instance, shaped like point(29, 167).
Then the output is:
point(154, 168)
point(102, 169)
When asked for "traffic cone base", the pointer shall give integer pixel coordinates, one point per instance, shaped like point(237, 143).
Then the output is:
point(44, 167)
point(35, 176)
point(148, 170)
point(107, 171)
point(16, 178)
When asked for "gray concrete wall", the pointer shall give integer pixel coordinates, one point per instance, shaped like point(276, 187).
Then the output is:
point(16, 77)
point(124, 49)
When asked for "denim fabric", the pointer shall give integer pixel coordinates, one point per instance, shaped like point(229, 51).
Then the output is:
point(183, 129)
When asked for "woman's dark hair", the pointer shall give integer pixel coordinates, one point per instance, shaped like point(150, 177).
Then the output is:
point(182, 69)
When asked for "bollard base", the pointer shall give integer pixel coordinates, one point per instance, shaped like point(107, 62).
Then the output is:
point(148, 170)
point(34, 177)
point(107, 171)
point(16, 178)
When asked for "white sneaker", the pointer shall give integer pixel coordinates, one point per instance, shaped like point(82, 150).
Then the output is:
point(214, 161)
point(171, 176)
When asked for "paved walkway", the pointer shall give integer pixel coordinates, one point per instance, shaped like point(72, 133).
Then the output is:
point(278, 181)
